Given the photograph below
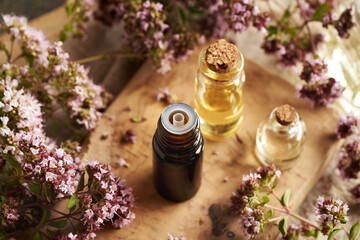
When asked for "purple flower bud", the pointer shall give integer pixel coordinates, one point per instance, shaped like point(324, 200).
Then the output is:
point(331, 213)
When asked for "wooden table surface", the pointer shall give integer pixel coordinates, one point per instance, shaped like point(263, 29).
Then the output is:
point(204, 216)
point(201, 217)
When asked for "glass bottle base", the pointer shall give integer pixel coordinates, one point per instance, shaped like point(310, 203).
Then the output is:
point(266, 160)
point(219, 132)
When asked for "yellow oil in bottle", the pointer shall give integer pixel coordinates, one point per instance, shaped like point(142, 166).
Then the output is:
point(220, 110)
point(219, 99)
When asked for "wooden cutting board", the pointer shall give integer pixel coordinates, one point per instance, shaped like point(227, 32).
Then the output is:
point(204, 216)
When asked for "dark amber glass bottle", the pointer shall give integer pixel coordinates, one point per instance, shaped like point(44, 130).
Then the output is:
point(177, 153)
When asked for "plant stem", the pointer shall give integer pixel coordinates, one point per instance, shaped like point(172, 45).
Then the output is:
point(38, 203)
point(304, 220)
point(277, 218)
point(3, 179)
point(21, 55)
point(44, 234)
point(307, 26)
point(110, 54)
point(273, 193)
point(67, 216)
point(11, 49)
point(277, 209)
point(64, 214)
point(345, 230)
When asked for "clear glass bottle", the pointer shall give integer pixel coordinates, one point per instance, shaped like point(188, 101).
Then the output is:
point(280, 137)
point(219, 98)
point(177, 153)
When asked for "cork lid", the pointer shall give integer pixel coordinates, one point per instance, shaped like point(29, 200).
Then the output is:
point(221, 56)
point(285, 114)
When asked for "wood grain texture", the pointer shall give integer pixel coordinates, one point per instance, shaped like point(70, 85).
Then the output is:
point(204, 216)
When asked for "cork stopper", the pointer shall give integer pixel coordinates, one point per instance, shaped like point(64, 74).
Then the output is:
point(221, 56)
point(285, 114)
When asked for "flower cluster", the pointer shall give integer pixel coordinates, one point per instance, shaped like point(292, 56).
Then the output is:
point(35, 173)
point(344, 23)
point(32, 41)
point(9, 214)
point(290, 52)
point(318, 89)
point(167, 32)
point(180, 237)
point(116, 199)
point(252, 185)
point(331, 213)
point(51, 77)
point(294, 43)
point(294, 231)
point(347, 126)
point(245, 193)
point(19, 111)
point(349, 159)
point(55, 167)
point(165, 96)
point(80, 12)
point(251, 200)
point(356, 193)
point(252, 221)
point(321, 93)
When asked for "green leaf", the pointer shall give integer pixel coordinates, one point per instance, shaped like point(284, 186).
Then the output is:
point(35, 74)
point(283, 226)
point(184, 16)
point(55, 126)
point(58, 224)
point(342, 220)
point(195, 11)
point(317, 233)
point(29, 59)
point(69, 8)
point(35, 189)
point(37, 236)
point(332, 233)
point(265, 199)
point(292, 31)
point(81, 183)
point(354, 231)
point(272, 30)
point(269, 213)
point(12, 161)
point(3, 199)
point(72, 201)
point(285, 17)
point(320, 11)
point(48, 192)
point(72, 209)
point(50, 233)
point(274, 186)
point(68, 28)
point(285, 197)
point(63, 36)
point(45, 216)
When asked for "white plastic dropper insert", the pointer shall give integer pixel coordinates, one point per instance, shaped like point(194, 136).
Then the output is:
point(178, 119)
point(183, 118)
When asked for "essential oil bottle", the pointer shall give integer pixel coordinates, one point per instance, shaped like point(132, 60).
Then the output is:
point(177, 153)
point(219, 90)
point(280, 137)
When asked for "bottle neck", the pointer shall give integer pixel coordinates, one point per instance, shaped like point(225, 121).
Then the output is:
point(280, 128)
point(227, 77)
point(178, 148)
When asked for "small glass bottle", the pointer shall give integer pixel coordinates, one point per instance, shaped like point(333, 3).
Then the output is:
point(218, 90)
point(177, 153)
point(280, 137)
